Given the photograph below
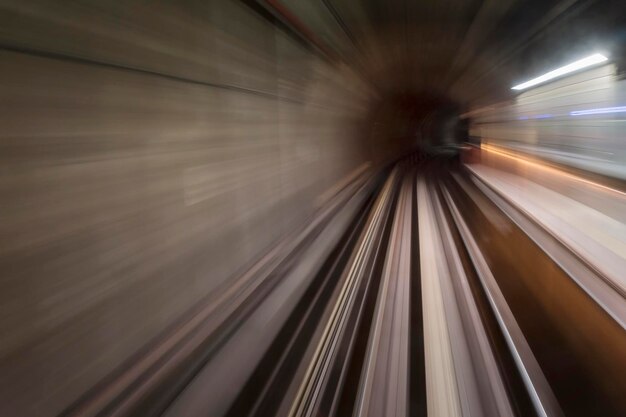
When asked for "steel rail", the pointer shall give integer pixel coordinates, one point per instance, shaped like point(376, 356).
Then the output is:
point(384, 388)
point(481, 387)
point(541, 394)
point(442, 393)
point(309, 395)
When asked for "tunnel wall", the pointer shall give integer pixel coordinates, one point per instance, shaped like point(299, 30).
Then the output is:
point(576, 121)
point(146, 153)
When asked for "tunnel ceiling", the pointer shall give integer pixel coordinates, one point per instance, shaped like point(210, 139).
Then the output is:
point(468, 51)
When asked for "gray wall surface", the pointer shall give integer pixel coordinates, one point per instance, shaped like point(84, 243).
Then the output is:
point(147, 151)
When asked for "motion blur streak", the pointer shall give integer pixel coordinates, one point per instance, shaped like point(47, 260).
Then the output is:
point(606, 110)
point(547, 168)
point(559, 72)
point(318, 208)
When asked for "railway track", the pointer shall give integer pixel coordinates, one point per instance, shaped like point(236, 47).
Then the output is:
point(435, 296)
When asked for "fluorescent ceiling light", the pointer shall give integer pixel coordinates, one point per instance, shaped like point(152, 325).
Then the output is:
point(574, 66)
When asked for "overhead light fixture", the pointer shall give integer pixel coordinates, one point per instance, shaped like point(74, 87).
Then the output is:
point(574, 66)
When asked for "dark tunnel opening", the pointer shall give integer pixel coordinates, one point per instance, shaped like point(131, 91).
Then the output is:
point(425, 123)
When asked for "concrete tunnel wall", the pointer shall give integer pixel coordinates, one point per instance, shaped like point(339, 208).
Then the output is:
point(146, 153)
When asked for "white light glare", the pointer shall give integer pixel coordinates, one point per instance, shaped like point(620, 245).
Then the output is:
point(574, 66)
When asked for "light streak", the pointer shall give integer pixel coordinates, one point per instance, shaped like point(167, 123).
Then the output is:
point(559, 72)
point(507, 154)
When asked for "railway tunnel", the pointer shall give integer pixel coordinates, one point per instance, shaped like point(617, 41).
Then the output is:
point(312, 208)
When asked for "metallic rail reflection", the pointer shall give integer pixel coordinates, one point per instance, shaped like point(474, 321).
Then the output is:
point(314, 332)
